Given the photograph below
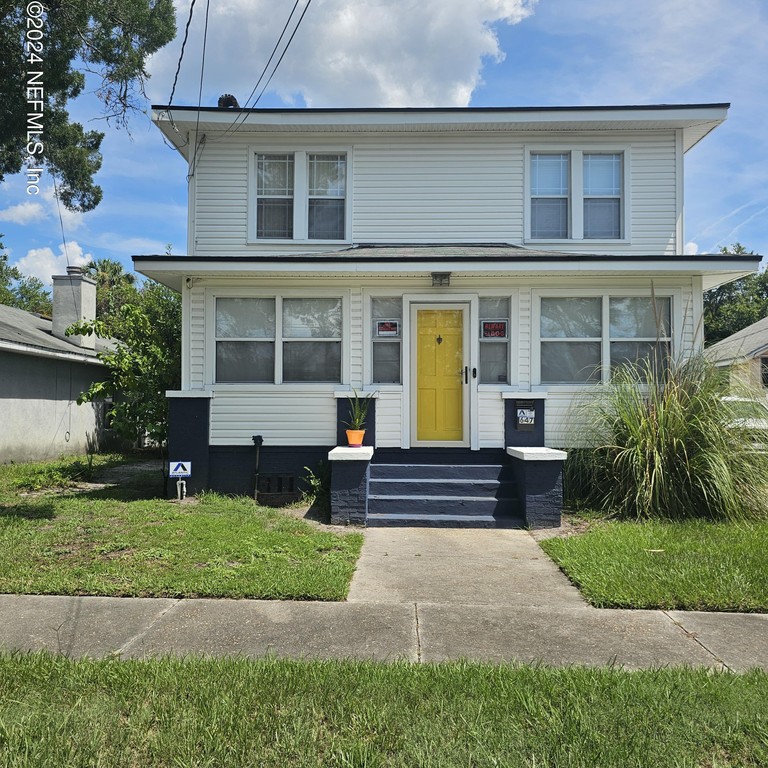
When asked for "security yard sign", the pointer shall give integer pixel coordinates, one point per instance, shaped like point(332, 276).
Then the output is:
point(180, 469)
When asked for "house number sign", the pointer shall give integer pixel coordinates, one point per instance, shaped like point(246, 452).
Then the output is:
point(494, 329)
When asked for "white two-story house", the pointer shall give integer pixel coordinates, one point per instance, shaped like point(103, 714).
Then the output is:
point(465, 266)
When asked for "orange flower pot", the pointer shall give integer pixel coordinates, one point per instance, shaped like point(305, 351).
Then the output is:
point(355, 437)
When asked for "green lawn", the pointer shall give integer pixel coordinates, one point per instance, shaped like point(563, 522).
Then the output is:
point(235, 712)
point(123, 540)
point(692, 565)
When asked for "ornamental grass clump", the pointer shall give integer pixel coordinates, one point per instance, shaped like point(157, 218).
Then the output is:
point(669, 439)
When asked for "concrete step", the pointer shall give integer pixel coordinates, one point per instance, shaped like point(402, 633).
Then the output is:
point(442, 487)
point(442, 471)
point(381, 520)
point(441, 505)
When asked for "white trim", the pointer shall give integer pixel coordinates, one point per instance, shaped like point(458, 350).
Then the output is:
point(191, 393)
point(679, 192)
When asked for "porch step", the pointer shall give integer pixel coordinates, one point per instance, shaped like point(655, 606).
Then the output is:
point(460, 495)
point(381, 520)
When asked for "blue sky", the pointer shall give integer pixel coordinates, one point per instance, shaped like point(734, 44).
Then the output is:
point(428, 53)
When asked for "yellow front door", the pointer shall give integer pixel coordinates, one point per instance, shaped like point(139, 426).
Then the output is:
point(440, 375)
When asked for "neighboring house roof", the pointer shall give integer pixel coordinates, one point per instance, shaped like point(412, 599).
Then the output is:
point(31, 334)
point(747, 343)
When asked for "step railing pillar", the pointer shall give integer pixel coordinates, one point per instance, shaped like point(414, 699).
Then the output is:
point(350, 470)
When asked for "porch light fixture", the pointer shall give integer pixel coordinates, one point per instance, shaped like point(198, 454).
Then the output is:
point(441, 279)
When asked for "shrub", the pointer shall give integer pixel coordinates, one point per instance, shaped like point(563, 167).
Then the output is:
point(669, 440)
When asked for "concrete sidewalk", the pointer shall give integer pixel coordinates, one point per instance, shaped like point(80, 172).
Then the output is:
point(424, 595)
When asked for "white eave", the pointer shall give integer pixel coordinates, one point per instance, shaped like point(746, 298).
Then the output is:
point(694, 120)
point(176, 271)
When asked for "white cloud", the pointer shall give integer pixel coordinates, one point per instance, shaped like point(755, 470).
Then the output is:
point(43, 263)
point(72, 219)
point(346, 52)
point(23, 213)
point(691, 249)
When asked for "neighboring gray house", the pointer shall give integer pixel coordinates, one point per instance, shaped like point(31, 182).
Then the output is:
point(745, 352)
point(42, 373)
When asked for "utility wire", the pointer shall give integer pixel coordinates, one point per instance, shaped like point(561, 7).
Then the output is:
point(181, 55)
point(200, 144)
point(241, 118)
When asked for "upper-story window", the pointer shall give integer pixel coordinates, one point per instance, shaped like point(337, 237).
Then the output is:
point(300, 196)
point(577, 195)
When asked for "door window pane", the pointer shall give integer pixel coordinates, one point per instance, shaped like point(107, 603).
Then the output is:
point(312, 318)
point(318, 361)
point(577, 317)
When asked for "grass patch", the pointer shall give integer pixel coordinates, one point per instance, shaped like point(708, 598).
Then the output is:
point(120, 541)
point(236, 712)
point(687, 565)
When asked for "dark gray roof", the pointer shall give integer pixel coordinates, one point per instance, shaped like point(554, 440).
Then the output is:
point(32, 332)
point(746, 343)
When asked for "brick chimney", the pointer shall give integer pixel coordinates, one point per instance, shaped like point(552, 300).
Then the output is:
point(74, 299)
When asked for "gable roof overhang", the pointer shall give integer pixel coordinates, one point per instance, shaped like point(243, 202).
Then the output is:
point(695, 121)
point(503, 261)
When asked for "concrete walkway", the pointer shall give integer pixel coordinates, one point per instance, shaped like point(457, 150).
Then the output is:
point(420, 594)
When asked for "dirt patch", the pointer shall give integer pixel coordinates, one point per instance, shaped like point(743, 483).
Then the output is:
point(309, 513)
point(571, 525)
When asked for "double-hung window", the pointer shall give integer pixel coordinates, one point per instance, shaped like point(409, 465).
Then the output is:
point(494, 340)
point(386, 337)
point(300, 196)
point(576, 195)
point(583, 338)
point(278, 339)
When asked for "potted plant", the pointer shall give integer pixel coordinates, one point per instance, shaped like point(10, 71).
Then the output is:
point(358, 413)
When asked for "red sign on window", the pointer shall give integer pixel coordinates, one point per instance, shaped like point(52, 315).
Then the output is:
point(387, 328)
point(494, 329)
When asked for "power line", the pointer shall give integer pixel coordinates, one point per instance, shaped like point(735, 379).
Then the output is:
point(241, 118)
point(181, 55)
point(200, 144)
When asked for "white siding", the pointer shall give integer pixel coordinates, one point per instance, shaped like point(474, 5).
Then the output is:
point(283, 417)
point(491, 419)
point(197, 338)
point(436, 189)
point(389, 417)
point(356, 337)
point(221, 209)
